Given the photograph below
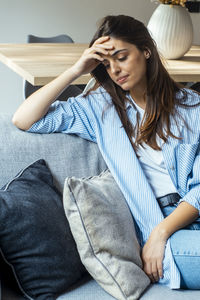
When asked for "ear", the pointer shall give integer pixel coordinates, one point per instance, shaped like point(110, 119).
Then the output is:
point(147, 53)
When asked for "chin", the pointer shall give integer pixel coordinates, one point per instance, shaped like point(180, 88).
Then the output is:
point(126, 87)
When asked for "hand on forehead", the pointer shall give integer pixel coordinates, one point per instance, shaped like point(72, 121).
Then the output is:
point(116, 46)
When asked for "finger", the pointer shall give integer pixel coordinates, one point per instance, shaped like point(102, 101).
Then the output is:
point(90, 58)
point(147, 269)
point(160, 269)
point(93, 51)
point(100, 50)
point(102, 39)
point(97, 58)
point(152, 279)
point(154, 271)
point(104, 46)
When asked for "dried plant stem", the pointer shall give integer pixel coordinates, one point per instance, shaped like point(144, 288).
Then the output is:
point(173, 2)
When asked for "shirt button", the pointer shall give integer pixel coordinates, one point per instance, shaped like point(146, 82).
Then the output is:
point(172, 168)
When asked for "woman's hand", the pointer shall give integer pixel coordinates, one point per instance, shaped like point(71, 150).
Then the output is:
point(153, 250)
point(92, 56)
point(153, 254)
point(37, 105)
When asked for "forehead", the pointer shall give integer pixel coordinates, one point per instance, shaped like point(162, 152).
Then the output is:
point(119, 45)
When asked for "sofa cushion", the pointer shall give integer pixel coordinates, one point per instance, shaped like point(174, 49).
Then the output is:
point(103, 229)
point(90, 290)
point(19, 149)
point(35, 237)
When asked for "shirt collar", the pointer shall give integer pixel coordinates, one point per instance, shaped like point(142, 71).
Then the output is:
point(128, 104)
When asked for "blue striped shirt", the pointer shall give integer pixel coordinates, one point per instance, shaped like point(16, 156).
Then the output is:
point(83, 116)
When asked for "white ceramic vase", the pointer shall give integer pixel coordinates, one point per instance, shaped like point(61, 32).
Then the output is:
point(171, 28)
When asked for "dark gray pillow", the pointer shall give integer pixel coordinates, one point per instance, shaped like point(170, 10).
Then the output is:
point(104, 231)
point(35, 238)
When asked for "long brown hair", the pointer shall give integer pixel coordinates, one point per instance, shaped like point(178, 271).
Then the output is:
point(161, 88)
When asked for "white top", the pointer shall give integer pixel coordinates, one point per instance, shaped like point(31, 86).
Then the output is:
point(153, 165)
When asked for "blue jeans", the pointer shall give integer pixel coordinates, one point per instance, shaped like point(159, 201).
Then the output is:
point(185, 245)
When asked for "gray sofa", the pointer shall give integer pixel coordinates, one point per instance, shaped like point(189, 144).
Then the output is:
point(66, 155)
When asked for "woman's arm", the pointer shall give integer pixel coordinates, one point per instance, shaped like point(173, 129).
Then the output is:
point(182, 216)
point(37, 105)
point(153, 250)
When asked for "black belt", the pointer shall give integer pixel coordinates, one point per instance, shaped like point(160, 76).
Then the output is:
point(168, 199)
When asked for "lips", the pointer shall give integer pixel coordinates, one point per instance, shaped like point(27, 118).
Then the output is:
point(122, 79)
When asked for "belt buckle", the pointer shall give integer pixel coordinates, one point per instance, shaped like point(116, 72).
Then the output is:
point(169, 199)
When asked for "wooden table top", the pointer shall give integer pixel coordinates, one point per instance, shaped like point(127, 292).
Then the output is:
point(186, 69)
point(39, 63)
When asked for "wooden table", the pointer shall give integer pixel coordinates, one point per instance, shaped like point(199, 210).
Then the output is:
point(186, 69)
point(40, 63)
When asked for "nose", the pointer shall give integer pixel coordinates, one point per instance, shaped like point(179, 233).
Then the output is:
point(114, 67)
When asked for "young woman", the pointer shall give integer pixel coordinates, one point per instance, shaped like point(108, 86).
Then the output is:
point(147, 128)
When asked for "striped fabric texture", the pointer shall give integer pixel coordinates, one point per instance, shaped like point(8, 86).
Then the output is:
point(83, 116)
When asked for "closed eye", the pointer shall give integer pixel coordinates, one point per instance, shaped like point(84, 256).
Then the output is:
point(122, 58)
point(107, 65)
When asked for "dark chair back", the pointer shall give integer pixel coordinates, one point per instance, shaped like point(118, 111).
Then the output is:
point(70, 91)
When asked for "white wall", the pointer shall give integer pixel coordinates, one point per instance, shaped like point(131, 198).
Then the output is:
point(77, 18)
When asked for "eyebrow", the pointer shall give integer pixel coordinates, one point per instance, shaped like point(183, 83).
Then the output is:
point(117, 51)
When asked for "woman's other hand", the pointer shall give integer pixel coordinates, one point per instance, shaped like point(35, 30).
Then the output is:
point(92, 56)
point(153, 251)
point(153, 255)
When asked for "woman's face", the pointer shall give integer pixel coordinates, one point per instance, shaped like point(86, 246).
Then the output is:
point(126, 65)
